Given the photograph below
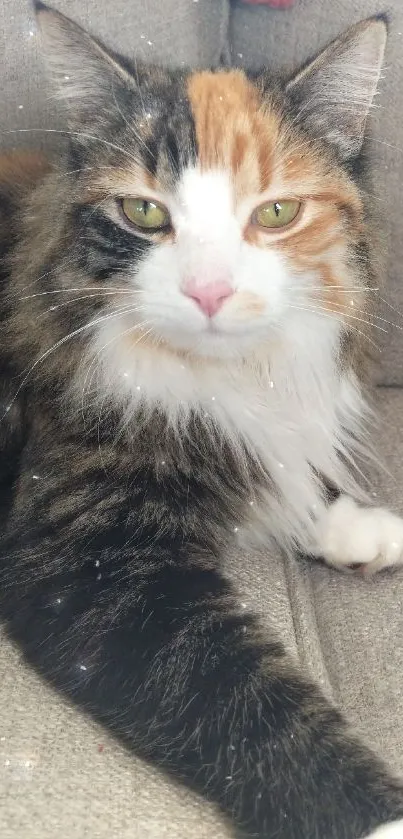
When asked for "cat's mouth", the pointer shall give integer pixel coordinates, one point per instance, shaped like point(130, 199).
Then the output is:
point(240, 324)
point(216, 340)
point(238, 316)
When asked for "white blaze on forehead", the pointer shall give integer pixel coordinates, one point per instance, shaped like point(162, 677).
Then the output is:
point(208, 234)
point(206, 204)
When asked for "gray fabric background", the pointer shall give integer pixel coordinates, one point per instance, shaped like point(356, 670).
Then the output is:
point(54, 779)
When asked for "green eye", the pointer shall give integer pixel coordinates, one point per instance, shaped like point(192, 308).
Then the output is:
point(146, 214)
point(277, 214)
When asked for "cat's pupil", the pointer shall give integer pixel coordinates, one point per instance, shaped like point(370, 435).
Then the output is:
point(147, 207)
point(277, 208)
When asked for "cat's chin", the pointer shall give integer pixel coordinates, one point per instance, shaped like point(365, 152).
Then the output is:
point(213, 341)
point(213, 344)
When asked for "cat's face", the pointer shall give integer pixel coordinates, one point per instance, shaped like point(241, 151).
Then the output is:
point(217, 206)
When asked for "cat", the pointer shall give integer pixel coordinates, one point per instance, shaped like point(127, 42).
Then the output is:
point(181, 368)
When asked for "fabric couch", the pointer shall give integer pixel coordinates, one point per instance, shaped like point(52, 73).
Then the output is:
point(60, 774)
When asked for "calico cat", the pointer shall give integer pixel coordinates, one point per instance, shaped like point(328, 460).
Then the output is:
point(180, 363)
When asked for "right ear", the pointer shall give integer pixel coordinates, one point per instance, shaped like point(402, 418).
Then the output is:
point(87, 76)
point(333, 93)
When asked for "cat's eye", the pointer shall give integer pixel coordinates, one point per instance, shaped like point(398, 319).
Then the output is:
point(277, 214)
point(147, 215)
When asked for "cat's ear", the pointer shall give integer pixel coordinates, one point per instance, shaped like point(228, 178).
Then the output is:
point(333, 93)
point(87, 76)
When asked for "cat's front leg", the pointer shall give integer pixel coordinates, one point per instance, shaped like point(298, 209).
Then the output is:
point(136, 625)
point(351, 536)
point(159, 652)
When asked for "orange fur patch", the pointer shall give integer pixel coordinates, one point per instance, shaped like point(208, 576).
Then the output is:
point(248, 304)
point(238, 132)
point(233, 129)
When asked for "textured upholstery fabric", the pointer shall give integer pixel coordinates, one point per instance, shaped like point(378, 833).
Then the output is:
point(284, 39)
point(60, 774)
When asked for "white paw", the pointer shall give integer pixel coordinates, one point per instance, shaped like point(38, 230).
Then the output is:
point(350, 535)
point(394, 830)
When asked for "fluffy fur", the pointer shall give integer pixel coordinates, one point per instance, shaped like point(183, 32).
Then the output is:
point(141, 437)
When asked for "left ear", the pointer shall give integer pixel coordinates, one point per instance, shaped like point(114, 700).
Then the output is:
point(333, 93)
point(87, 76)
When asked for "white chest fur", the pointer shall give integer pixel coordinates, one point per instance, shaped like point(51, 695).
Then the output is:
point(290, 405)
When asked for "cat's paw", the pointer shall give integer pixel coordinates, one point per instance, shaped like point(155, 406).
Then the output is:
point(394, 830)
point(365, 538)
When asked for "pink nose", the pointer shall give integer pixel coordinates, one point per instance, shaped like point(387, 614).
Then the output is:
point(208, 297)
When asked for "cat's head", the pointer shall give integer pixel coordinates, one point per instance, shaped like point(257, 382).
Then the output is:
point(218, 205)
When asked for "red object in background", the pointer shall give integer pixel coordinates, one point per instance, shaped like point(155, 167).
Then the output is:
point(275, 4)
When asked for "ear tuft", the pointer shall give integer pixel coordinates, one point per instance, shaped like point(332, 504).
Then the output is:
point(333, 93)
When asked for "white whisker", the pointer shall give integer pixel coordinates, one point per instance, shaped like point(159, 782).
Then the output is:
point(58, 344)
point(101, 291)
point(83, 134)
point(345, 309)
point(393, 308)
point(352, 317)
point(76, 299)
point(341, 288)
point(129, 125)
point(325, 313)
point(98, 354)
point(141, 337)
point(121, 335)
